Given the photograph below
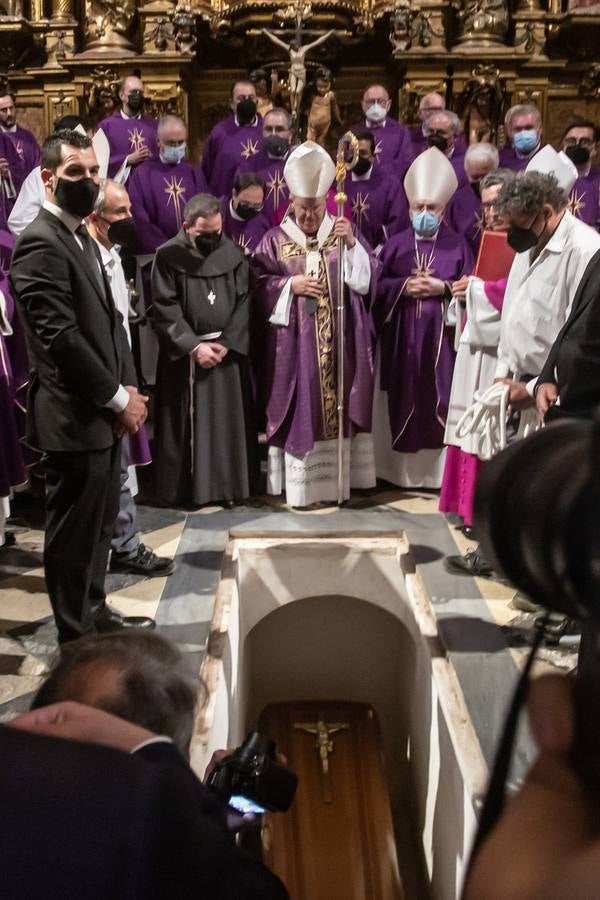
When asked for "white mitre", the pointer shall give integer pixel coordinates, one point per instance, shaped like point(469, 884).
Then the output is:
point(309, 171)
point(431, 178)
point(102, 150)
point(548, 162)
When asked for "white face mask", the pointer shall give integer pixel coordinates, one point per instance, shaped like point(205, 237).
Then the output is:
point(376, 113)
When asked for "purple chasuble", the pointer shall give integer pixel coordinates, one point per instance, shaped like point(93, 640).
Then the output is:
point(393, 146)
point(159, 192)
point(26, 146)
point(510, 159)
point(416, 347)
point(13, 380)
point(277, 195)
point(125, 136)
point(225, 149)
point(584, 201)
point(378, 206)
point(298, 362)
point(247, 234)
point(465, 215)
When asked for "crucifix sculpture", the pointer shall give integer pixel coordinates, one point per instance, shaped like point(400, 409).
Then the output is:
point(323, 731)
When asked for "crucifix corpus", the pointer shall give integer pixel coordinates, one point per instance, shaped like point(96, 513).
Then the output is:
point(297, 53)
point(323, 731)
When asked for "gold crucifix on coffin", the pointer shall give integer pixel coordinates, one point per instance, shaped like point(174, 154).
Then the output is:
point(323, 731)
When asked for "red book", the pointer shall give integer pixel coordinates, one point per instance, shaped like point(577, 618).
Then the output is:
point(495, 256)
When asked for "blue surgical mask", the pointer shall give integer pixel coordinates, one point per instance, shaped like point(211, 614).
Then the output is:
point(173, 154)
point(425, 222)
point(526, 141)
point(376, 113)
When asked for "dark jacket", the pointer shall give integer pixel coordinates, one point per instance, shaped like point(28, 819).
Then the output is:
point(77, 344)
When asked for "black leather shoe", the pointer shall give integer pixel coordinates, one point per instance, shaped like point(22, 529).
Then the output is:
point(110, 620)
point(472, 564)
point(145, 562)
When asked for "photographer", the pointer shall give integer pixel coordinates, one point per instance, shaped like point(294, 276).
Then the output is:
point(544, 847)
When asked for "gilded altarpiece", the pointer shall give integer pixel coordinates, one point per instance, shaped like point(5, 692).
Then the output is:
point(58, 56)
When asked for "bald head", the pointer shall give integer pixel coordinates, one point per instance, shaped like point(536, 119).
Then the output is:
point(171, 137)
point(429, 104)
point(376, 103)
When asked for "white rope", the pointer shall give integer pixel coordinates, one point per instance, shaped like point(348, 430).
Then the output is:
point(485, 421)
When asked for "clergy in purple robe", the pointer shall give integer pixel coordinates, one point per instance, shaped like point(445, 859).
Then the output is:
point(132, 136)
point(23, 141)
point(580, 144)
point(443, 131)
point(269, 163)
point(393, 146)
point(235, 140)
point(160, 188)
point(243, 220)
point(416, 346)
point(296, 268)
point(376, 199)
point(523, 127)
point(464, 213)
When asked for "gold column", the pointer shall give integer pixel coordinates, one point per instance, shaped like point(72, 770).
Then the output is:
point(62, 11)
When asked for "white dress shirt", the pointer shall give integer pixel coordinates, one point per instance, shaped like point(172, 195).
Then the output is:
point(539, 296)
point(118, 283)
point(28, 203)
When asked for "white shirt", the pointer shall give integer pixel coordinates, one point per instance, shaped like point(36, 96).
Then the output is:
point(118, 284)
point(28, 203)
point(121, 398)
point(538, 298)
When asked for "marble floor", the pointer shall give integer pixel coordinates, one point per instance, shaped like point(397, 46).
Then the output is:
point(183, 603)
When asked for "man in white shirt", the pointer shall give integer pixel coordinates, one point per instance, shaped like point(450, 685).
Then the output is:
point(111, 224)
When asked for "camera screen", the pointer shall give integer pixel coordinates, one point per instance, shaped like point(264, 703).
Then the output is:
point(245, 805)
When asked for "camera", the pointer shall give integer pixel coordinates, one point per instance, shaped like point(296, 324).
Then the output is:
point(251, 780)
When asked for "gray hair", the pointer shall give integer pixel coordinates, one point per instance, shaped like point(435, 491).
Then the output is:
point(169, 119)
point(280, 112)
point(105, 183)
point(201, 206)
point(453, 120)
point(482, 153)
point(497, 176)
point(148, 682)
point(522, 109)
point(527, 192)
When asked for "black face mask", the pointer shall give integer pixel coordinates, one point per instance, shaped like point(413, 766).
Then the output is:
point(245, 111)
point(76, 197)
point(124, 233)
point(522, 239)
point(476, 188)
point(362, 165)
point(274, 145)
point(207, 242)
point(135, 101)
point(246, 210)
point(578, 155)
point(438, 140)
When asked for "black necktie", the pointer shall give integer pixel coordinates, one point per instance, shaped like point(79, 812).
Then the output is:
point(92, 255)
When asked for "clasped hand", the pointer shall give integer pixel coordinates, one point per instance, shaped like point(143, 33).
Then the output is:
point(209, 354)
point(134, 415)
point(423, 286)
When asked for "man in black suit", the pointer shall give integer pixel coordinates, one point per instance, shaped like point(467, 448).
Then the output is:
point(128, 819)
point(83, 395)
point(571, 374)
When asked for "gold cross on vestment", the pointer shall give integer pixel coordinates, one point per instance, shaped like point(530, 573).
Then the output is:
point(276, 186)
point(137, 139)
point(360, 208)
point(378, 150)
point(424, 264)
point(576, 203)
point(175, 191)
point(323, 731)
point(250, 148)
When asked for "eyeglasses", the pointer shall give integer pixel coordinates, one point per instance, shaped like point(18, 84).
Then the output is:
point(582, 142)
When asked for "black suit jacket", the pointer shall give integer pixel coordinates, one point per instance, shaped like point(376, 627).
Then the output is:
point(77, 344)
point(81, 822)
point(574, 360)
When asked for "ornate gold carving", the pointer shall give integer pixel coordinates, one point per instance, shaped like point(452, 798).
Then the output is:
point(62, 11)
point(482, 22)
point(412, 27)
point(482, 103)
point(589, 85)
point(107, 23)
point(530, 37)
point(326, 356)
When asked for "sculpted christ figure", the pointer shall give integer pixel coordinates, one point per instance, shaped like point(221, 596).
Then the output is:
point(297, 54)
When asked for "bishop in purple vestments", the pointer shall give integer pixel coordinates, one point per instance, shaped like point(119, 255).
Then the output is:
point(393, 146)
point(23, 141)
point(296, 266)
point(416, 349)
point(243, 219)
point(235, 140)
point(160, 188)
point(132, 136)
point(269, 163)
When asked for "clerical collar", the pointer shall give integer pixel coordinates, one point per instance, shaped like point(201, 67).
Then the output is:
point(125, 116)
point(233, 213)
point(251, 124)
point(583, 173)
point(12, 129)
point(365, 177)
point(370, 125)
